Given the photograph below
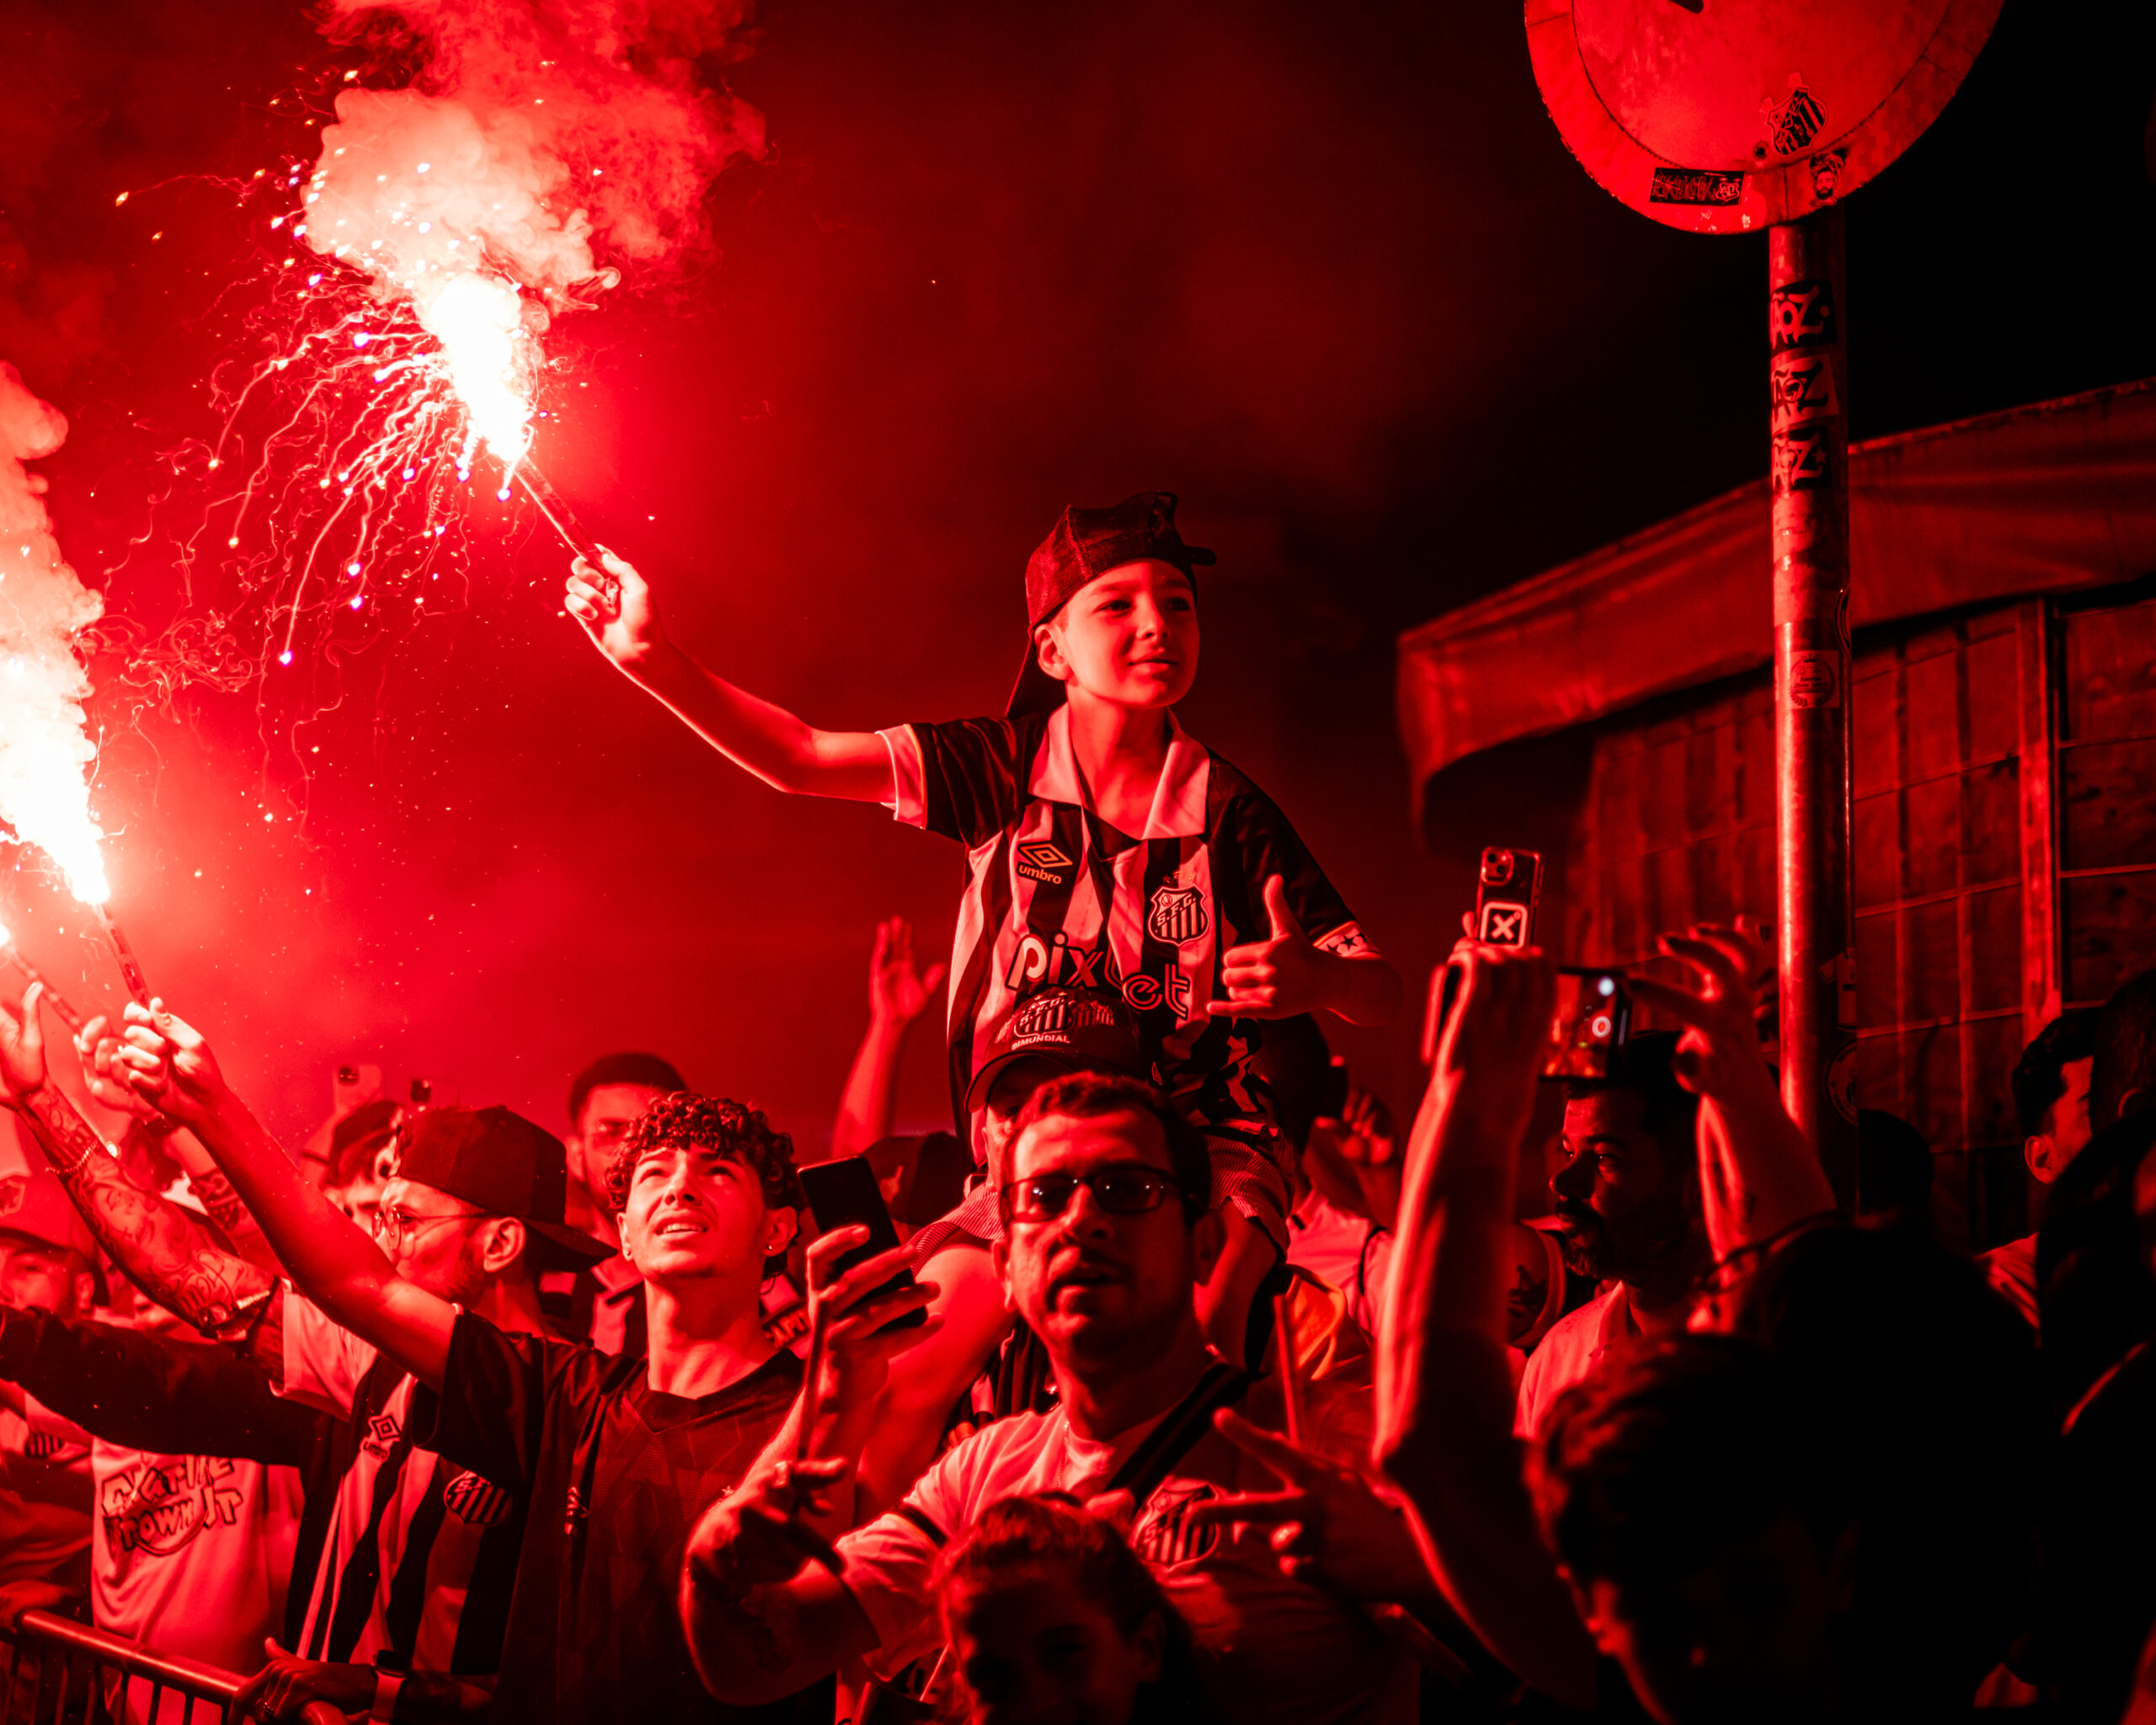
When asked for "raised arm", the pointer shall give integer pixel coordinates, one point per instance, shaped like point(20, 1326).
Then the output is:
point(163, 1251)
point(1444, 1387)
point(331, 1261)
point(763, 1620)
point(753, 734)
point(898, 993)
point(156, 1392)
point(1759, 1176)
point(234, 1227)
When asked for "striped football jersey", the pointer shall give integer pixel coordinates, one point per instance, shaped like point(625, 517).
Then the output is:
point(1054, 896)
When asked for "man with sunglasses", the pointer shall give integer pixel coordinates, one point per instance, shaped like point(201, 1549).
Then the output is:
point(401, 1592)
point(1108, 1232)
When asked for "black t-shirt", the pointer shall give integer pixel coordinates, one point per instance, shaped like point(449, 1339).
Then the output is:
point(616, 1474)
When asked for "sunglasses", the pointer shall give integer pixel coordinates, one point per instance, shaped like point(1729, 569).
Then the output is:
point(1131, 1189)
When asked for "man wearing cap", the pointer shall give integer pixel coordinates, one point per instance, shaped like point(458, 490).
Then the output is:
point(1106, 848)
point(407, 1576)
point(46, 1263)
point(617, 1454)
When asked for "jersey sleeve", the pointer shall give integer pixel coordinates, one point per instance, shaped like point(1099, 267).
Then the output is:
point(45, 1423)
point(1270, 845)
point(158, 1393)
point(323, 1360)
point(888, 1561)
point(965, 779)
point(490, 1413)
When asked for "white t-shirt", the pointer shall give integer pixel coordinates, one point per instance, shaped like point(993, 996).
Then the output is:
point(1575, 1345)
point(1288, 1651)
point(189, 1555)
point(1350, 1252)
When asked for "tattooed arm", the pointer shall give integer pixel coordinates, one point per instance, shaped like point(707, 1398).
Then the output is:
point(94, 1044)
point(165, 1251)
point(167, 1062)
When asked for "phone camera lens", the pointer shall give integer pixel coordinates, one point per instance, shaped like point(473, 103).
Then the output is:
point(347, 1074)
point(1497, 868)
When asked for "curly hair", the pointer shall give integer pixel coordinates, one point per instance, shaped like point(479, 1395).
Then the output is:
point(733, 1129)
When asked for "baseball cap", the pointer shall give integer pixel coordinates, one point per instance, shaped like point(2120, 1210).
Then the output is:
point(1076, 1029)
point(35, 1206)
point(500, 1163)
point(1086, 543)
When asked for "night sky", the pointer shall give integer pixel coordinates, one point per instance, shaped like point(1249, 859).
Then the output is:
point(1330, 275)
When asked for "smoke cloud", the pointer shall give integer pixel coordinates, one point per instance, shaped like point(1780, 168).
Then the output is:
point(44, 745)
point(553, 141)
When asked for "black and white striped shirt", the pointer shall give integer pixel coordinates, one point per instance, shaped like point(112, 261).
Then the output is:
point(420, 1556)
point(1055, 896)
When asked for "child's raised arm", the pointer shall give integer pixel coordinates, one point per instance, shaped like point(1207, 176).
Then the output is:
point(753, 734)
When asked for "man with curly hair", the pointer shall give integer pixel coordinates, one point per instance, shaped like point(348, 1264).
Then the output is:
point(616, 1454)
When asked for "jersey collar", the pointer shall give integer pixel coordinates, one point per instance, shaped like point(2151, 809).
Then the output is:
point(1178, 810)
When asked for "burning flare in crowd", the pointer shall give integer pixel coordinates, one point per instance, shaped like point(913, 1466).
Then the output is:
point(45, 744)
point(543, 131)
point(452, 219)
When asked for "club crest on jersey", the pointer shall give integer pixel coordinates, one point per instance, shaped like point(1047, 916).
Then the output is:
point(1176, 913)
point(1166, 1535)
point(1040, 860)
point(476, 1502)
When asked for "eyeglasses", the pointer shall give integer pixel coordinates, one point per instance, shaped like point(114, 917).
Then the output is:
point(393, 1226)
point(1130, 1189)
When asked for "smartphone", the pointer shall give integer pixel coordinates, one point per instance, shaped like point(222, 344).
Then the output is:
point(1507, 893)
point(1593, 1020)
point(843, 1194)
point(1507, 890)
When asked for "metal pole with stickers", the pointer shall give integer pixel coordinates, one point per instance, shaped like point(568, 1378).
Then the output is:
point(1747, 116)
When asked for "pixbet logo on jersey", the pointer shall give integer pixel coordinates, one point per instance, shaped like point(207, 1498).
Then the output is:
point(1057, 964)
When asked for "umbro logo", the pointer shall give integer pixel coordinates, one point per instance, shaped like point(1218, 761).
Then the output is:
point(1040, 860)
point(382, 1434)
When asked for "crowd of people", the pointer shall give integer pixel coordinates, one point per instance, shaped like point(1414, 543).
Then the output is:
point(1193, 1388)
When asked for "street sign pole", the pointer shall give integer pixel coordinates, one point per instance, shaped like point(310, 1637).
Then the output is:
point(1815, 927)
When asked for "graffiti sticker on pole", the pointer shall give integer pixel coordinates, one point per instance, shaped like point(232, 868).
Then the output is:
point(1803, 389)
point(1801, 315)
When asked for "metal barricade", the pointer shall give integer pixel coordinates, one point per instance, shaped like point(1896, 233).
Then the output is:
point(60, 1672)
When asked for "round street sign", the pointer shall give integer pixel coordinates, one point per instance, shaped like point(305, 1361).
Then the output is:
point(1722, 116)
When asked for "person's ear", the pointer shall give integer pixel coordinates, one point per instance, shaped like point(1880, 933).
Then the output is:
point(2135, 1101)
point(781, 1225)
point(1151, 1642)
point(86, 1291)
point(1047, 650)
point(1208, 1239)
point(999, 1254)
point(501, 1244)
point(2040, 1151)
